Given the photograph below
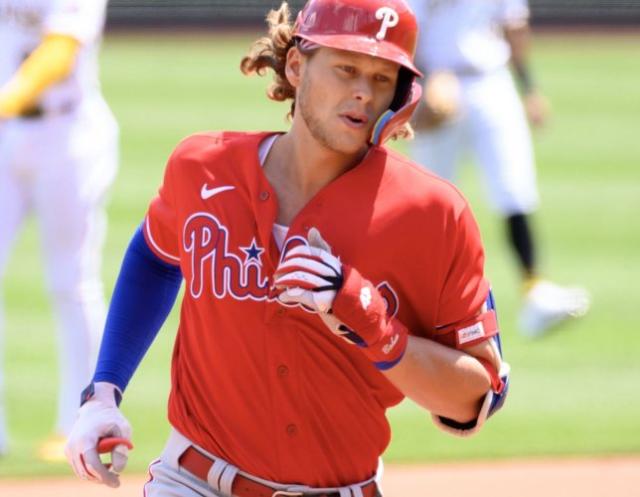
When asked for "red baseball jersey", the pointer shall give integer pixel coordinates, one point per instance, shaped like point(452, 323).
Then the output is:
point(268, 387)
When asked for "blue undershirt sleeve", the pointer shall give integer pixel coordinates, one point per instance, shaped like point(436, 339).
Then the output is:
point(144, 295)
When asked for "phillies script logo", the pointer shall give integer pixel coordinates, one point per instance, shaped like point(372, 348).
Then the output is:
point(206, 240)
point(214, 266)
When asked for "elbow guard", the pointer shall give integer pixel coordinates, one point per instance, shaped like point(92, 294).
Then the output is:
point(495, 397)
point(493, 401)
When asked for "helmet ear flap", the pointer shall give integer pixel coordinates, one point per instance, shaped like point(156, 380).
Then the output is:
point(392, 120)
point(403, 88)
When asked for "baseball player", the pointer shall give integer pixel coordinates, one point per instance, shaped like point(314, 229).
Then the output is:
point(58, 156)
point(470, 100)
point(326, 278)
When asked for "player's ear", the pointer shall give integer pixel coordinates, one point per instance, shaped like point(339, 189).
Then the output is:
point(293, 66)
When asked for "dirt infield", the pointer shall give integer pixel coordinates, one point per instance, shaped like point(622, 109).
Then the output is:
point(616, 477)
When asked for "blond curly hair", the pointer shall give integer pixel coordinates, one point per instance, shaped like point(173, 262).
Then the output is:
point(270, 52)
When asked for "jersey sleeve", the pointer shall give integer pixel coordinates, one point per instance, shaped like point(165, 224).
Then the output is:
point(80, 19)
point(513, 12)
point(465, 314)
point(160, 224)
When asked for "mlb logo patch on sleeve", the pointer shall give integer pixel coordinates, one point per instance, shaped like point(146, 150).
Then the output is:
point(470, 333)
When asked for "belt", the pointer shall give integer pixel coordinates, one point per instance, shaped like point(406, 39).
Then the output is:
point(199, 465)
point(37, 112)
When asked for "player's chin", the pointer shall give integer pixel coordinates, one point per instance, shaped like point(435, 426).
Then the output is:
point(350, 146)
point(351, 140)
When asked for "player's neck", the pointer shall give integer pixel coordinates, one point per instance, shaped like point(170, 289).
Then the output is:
point(298, 169)
point(308, 165)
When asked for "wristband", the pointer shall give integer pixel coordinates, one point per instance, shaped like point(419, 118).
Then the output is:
point(361, 308)
point(525, 79)
point(90, 391)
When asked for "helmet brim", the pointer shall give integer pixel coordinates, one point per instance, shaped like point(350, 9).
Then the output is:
point(364, 45)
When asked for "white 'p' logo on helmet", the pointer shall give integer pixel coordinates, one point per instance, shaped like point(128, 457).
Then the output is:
point(389, 18)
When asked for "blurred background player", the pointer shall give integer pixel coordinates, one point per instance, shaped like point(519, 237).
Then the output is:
point(58, 156)
point(470, 100)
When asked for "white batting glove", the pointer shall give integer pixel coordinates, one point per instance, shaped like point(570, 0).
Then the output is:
point(309, 275)
point(340, 329)
point(98, 418)
point(312, 276)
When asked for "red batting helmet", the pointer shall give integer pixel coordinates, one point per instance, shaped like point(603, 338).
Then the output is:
point(380, 28)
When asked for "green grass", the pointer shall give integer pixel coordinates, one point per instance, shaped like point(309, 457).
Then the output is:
point(575, 392)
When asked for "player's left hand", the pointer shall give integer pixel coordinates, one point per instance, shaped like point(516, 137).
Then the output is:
point(309, 274)
point(537, 108)
point(100, 427)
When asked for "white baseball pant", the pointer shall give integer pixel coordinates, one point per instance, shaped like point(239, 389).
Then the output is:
point(59, 168)
point(493, 124)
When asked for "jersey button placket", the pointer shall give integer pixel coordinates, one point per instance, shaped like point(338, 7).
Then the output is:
point(283, 371)
point(264, 195)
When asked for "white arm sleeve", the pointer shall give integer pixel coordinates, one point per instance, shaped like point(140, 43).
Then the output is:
point(81, 19)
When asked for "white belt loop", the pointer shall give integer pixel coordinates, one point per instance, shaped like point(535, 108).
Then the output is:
point(356, 491)
point(226, 480)
point(215, 472)
point(175, 447)
point(344, 492)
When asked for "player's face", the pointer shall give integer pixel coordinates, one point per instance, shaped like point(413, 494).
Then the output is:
point(341, 95)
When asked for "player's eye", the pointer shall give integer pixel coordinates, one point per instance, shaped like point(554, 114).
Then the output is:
point(347, 69)
point(382, 78)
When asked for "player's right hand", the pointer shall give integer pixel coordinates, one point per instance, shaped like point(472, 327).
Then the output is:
point(309, 274)
point(537, 108)
point(97, 419)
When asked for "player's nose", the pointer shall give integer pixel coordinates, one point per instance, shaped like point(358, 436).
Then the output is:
point(362, 89)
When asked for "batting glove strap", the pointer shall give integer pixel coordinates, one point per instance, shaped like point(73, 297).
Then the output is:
point(363, 311)
point(389, 351)
point(359, 305)
point(104, 389)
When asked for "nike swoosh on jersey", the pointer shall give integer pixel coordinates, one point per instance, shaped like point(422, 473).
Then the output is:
point(206, 193)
